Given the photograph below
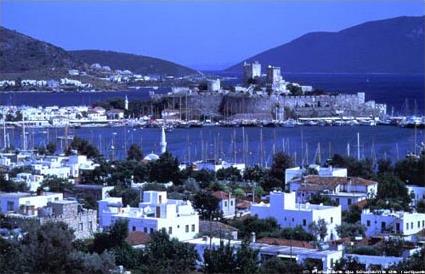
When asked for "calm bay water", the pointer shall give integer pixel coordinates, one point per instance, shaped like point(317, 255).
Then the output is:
point(226, 143)
point(383, 88)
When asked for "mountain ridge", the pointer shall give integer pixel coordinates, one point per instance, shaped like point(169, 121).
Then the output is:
point(394, 45)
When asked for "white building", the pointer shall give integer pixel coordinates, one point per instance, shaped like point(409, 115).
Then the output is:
point(345, 191)
point(288, 213)
point(156, 212)
point(215, 165)
point(227, 203)
point(265, 251)
point(33, 181)
point(417, 193)
point(384, 222)
point(214, 85)
point(22, 202)
point(273, 75)
point(298, 172)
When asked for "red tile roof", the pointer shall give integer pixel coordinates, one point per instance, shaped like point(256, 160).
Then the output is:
point(220, 195)
point(137, 238)
point(285, 242)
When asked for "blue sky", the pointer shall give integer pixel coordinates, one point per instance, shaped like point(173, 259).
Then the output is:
point(201, 34)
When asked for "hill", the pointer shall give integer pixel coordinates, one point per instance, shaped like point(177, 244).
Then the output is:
point(24, 55)
point(393, 45)
point(135, 63)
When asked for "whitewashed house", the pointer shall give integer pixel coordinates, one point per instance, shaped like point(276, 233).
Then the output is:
point(156, 212)
point(288, 213)
point(385, 222)
point(345, 191)
point(23, 202)
point(417, 193)
point(215, 165)
point(227, 204)
point(328, 258)
point(33, 181)
point(298, 172)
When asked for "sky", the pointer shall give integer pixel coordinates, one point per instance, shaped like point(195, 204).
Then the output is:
point(202, 34)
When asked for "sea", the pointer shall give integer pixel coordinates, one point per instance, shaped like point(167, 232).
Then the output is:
point(404, 94)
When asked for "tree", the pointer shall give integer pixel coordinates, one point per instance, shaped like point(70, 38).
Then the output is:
point(165, 169)
point(350, 230)
point(220, 260)
point(281, 161)
point(134, 153)
point(165, 255)
point(411, 170)
point(239, 193)
point(351, 264)
point(83, 147)
point(355, 168)
point(392, 193)
point(207, 205)
point(9, 186)
point(46, 248)
point(230, 173)
point(276, 265)
point(80, 262)
point(255, 173)
point(420, 206)
point(247, 259)
point(319, 198)
point(352, 215)
point(251, 224)
point(115, 237)
point(55, 184)
point(319, 229)
point(51, 148)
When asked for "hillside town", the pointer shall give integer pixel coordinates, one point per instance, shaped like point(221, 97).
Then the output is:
point(317, 217)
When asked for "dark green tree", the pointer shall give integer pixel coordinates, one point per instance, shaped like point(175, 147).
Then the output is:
point(165, 169)
point(165, 255)
point(220, 260)
point(276, 265)
point(231, 174)
point(281, 161)
point(319, 229)
point(134, 153)
point(207, 205)
point(55, 184)
point(350, 230)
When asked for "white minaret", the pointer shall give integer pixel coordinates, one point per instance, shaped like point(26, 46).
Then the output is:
point(126, 103)
point(163, 143)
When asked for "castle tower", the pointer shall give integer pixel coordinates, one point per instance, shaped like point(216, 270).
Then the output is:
point(163, 142)
point(126, 103)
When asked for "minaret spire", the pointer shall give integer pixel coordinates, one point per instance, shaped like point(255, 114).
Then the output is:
point(163, 143)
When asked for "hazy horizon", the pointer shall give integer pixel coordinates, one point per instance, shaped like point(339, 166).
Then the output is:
point(206, 35)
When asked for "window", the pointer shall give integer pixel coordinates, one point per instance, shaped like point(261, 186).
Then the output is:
point(337, 200)
point(10, 205)
point(187, 228)
point(332, 262)
point(349, 201)
point(145, 229)
point(134, 228)
point(368, 222)
point(292, 219)
point(304, 222)
point(151, 230)
point(423, 223)
point(193, 228)
point(170, 230)
point(407, 226)
point(91, 226)
point(178, 226)
point(225, 203)
point(80, 226)
point(332, 220)
point(382, 226)
point(57, 199)
point(419, 224)
point(231, 203)
point(411, 225)
point(397, 227)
